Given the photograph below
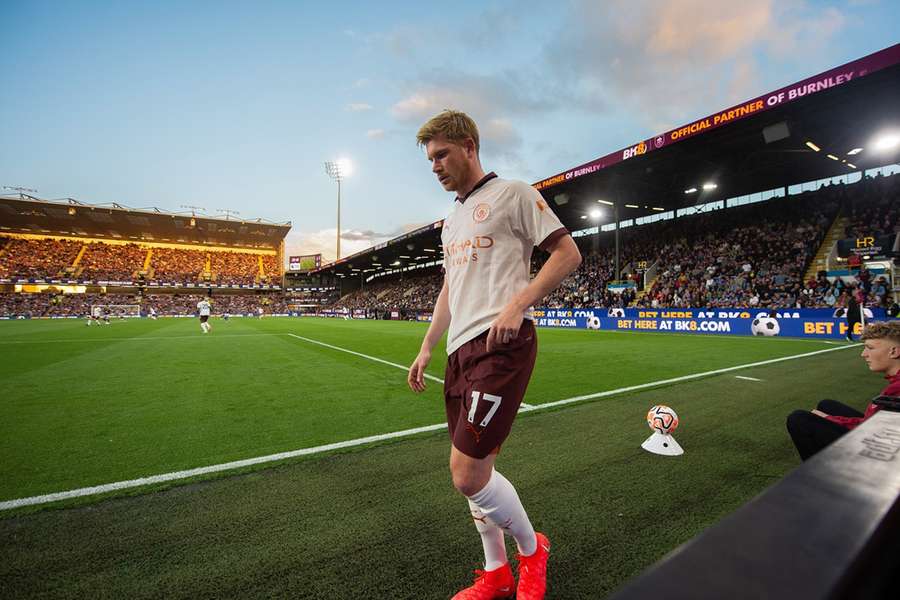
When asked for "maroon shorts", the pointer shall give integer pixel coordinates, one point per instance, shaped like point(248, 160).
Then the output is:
point(204, 318)
point(483, 390)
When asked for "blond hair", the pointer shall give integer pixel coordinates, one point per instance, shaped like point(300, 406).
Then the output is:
point(882, 330)
point(453, 125)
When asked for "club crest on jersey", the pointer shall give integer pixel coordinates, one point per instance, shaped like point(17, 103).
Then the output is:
point(481, 213)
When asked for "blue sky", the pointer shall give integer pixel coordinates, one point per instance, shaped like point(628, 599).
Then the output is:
point(237, 105)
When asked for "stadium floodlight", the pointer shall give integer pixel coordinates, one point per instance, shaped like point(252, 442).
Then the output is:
point(632, 206)
point(584, 216)
point(813, 146)
point(851, 165)
point(854, 151)
point(596, 214)
point(832, 157)
point(606, 202)
point(886, 142)
point(338, 170)
point(658, 208)
point(690, 190)
point(710, 185)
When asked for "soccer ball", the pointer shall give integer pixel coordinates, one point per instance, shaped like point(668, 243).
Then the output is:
point(593, 322)
point(767, 326)
point(616, 312)
point(663, 419)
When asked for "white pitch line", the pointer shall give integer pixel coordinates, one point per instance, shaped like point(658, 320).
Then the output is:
point(644, 386)
point(132, 483)
point(376, 359)
point(237, 464)
point(747, 378)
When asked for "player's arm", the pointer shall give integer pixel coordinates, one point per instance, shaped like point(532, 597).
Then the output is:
point(564, 258)
point(440, 321)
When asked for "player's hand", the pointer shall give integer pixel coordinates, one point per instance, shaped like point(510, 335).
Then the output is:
point(505, 327)
point(416, 376)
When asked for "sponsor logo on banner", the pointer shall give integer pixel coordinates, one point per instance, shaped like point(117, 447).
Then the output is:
point(634, 151)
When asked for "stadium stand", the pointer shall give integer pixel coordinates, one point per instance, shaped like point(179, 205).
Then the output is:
point(38, 258)
point(105, 262)
point(752, 256)
point(26, 258)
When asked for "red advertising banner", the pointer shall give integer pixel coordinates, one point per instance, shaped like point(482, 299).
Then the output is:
point(829, 79)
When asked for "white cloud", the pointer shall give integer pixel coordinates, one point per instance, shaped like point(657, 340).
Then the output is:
point(359, 107)
point(496, 102)
point(666, 63)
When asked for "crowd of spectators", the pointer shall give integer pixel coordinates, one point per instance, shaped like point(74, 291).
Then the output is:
point(749, 256)
point(106, 262)
point(873, 209)
point(37, 258)
point(233, 267)
point(407, 293)
point(178, 265)
point(51, 258)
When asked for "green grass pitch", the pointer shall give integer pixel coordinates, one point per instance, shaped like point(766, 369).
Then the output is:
point(85, 406)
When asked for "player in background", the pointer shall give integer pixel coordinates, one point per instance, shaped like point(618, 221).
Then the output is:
point(205, 309)
point(486, 301)
point(259, 312)
point(106, 314)
point(152, 313)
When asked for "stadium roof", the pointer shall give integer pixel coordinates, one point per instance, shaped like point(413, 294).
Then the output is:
point(757, 145)
point(68, 217)
point(754, 146)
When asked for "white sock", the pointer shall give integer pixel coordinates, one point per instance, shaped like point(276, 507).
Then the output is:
point(491, 539)
point(500, 503)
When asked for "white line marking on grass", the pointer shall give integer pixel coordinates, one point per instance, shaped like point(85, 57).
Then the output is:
point(381, 360)
point(747, 378)
point(644, 386)
point(132, 483)
point(237, 464)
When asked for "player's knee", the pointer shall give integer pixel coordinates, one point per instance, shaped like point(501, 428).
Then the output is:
point(468, 481)
point(466, 484)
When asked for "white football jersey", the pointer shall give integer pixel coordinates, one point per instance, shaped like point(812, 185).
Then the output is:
point(488, 240)
point(203, 307)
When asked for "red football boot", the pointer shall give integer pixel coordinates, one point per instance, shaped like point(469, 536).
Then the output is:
point(490, 585)
point(533, 571)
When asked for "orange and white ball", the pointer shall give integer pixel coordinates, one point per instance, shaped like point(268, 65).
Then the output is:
point(663, 419)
